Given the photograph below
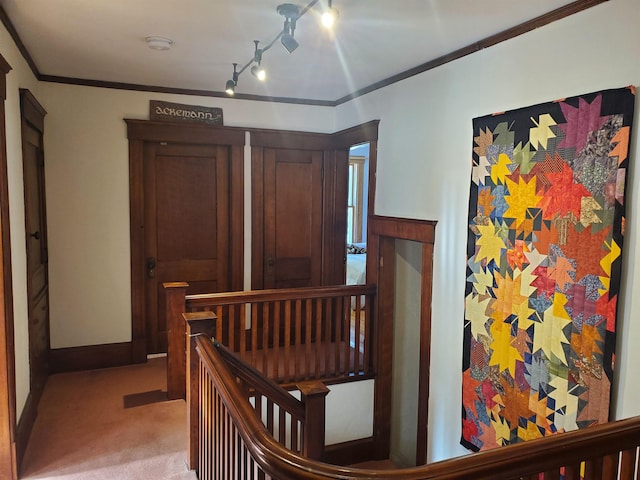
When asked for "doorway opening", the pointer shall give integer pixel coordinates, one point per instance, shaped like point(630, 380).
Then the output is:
point(357, 212)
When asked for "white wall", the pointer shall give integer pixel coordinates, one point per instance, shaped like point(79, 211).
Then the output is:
point(406, 352)
point(424, 167)
point(20, 76)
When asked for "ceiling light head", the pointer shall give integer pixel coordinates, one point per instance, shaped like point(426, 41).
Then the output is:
point(329, 17)
point(259, 72)
point(159, 43)
point(230, 88)
point(289, 42)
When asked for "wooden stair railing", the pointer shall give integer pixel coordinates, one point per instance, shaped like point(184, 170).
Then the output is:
point(235, 443)
point(297, 425)
point(290, 335)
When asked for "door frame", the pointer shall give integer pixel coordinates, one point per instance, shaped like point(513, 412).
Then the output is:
point(335, 147)
point(140, 132)
point(289, 140)
point(8, 463)
point(32, 115)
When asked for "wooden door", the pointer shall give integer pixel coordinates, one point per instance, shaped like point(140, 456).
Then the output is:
point(186, 226)
point(36, 240)
point(293, 224)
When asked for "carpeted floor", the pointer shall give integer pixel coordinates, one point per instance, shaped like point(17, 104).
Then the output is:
point(109, 424)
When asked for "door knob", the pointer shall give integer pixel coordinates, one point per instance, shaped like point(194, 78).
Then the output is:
point(151, 267)
point(271, 261)
point(35, 235)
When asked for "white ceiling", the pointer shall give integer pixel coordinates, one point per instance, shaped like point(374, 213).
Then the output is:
point(104, 40)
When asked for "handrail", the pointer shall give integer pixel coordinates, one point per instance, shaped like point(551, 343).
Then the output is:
point(598, 446)
point(235, 298)
point(259, 382)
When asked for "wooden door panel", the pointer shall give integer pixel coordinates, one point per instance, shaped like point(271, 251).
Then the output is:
point(39, 339)
point(186, 226)
point(182, 204)
point(36, 241)
point(292, 218)
point(34, 206)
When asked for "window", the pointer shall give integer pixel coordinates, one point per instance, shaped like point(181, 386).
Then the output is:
point(355, 199)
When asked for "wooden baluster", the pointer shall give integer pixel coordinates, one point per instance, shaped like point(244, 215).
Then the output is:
point(205, 434)
point(175, 293)
point(276, 339)
point(225, 445)
point(307, 328)
point(628, 464)
point(337, 321)
point(243, 331)
point(593, 469)
point(318, 335)
point(347, 366)
point(254, 336)
point(297, 339)
point(201, 465)
point(328, 318)
point(282, 426)
point(257, 405)
point(610, 466)
point(242, 459)
point(265, 339)
point(219, 434)
point(236, 452)
point(293, 435)
point(218, 335)
point(198, 323)
point(358, 367)
point(368, 334)
point(230, 450)
point(217, 452)
point(233, 325)
point(313, 395)
point(287, 339)
point(572, 472)
point(270, 410)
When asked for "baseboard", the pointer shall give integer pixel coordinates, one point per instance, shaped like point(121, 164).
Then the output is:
point(25, 425)
point(90, 357)
point(348, 453)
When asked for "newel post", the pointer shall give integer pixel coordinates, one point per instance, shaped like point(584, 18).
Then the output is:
point(313, 395)
point(198, 323)
point(175, 293)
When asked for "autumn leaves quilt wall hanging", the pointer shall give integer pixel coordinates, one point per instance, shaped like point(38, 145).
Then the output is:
point(546, 223)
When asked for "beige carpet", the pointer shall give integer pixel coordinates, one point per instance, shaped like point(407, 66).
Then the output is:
point(84, 432)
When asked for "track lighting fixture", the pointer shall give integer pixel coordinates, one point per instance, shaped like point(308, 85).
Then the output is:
point(291, 13)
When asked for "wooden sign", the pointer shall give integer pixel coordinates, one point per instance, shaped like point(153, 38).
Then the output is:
point(178, 112)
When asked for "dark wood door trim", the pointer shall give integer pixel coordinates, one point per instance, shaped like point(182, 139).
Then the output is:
point(383, 231)
point(366, 132)
point(140, 132)
point(32, 118)
point(290, 139)
point(8, 464)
